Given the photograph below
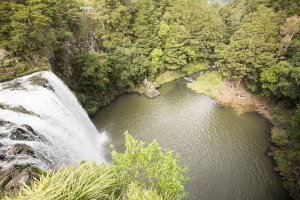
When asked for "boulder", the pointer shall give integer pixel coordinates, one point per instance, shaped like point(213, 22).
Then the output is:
point(149, 89)
point(152, 93)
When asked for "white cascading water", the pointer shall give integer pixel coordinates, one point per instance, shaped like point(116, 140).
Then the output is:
point(71, 135)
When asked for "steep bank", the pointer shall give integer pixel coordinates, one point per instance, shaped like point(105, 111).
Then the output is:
point(42, 124)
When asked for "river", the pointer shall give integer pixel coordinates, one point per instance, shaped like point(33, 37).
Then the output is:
point(224, 152)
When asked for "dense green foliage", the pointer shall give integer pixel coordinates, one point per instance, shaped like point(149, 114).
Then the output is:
point(104, 47)
point(253, 47)
point(281, 80)
point(262, 51)
point(149, 173)
point(151, 167)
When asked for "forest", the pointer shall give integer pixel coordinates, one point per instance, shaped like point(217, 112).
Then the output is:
point(104, 48)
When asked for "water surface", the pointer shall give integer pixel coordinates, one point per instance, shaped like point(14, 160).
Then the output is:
point(224, 152)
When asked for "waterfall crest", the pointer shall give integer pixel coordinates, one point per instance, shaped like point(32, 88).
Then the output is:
point(39, 111)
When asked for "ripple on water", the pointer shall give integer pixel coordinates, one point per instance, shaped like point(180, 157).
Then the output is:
point(223, 151)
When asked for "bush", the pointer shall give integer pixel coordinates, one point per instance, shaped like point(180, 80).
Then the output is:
point(294, 130)
point(283, 164)
point(135, 192)
point(151, 167)
point(279, 137)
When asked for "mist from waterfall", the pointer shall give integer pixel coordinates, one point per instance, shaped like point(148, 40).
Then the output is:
point(58, 116)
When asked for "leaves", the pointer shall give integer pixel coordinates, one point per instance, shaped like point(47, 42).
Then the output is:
point(253, 47)
point(151, 167)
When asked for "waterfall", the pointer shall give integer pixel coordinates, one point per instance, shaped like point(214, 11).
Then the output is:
point(43, 102)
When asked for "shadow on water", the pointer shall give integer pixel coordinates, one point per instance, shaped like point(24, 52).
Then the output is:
point(224, 152)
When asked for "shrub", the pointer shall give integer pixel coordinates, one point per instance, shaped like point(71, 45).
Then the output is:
point(135, 192)
point(152, 167)
point(294, 130)
point(283, 164)
point(279, 137)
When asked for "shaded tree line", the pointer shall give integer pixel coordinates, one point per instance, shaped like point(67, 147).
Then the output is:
point(103, 47)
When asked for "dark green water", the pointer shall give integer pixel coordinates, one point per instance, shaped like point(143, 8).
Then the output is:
point(224, 152)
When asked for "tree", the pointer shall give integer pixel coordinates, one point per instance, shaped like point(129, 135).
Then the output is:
point(190, 31)
point(290, 28)
point(252, 48)
point(291, 7)
point(281, 81)
point(91, 77)
point(30, 28)
point(129, 67)
point(117, 24)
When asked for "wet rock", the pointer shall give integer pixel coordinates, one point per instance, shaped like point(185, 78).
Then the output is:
point(30, 129)
point(16, 149)
point(3, 123)
point(15, 177)
point(18, 160)
point(25, 132)
point(38, 80)
point(13, 86)
point(21, 134)
point(19, 109)
point(2, 155)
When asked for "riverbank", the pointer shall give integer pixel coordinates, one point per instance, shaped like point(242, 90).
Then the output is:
point(283, 150)
point(212, 85)
point(165, 77)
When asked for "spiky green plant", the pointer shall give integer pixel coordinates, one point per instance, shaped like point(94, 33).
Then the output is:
point(81, 183)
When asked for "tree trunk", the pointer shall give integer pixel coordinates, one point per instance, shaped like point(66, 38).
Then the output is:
point(238, 85)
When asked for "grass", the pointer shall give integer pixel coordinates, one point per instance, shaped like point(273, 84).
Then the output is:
point(193, 68)
point(85, 182)
point(208, 84)
point(167, 76)
point(171, 75)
